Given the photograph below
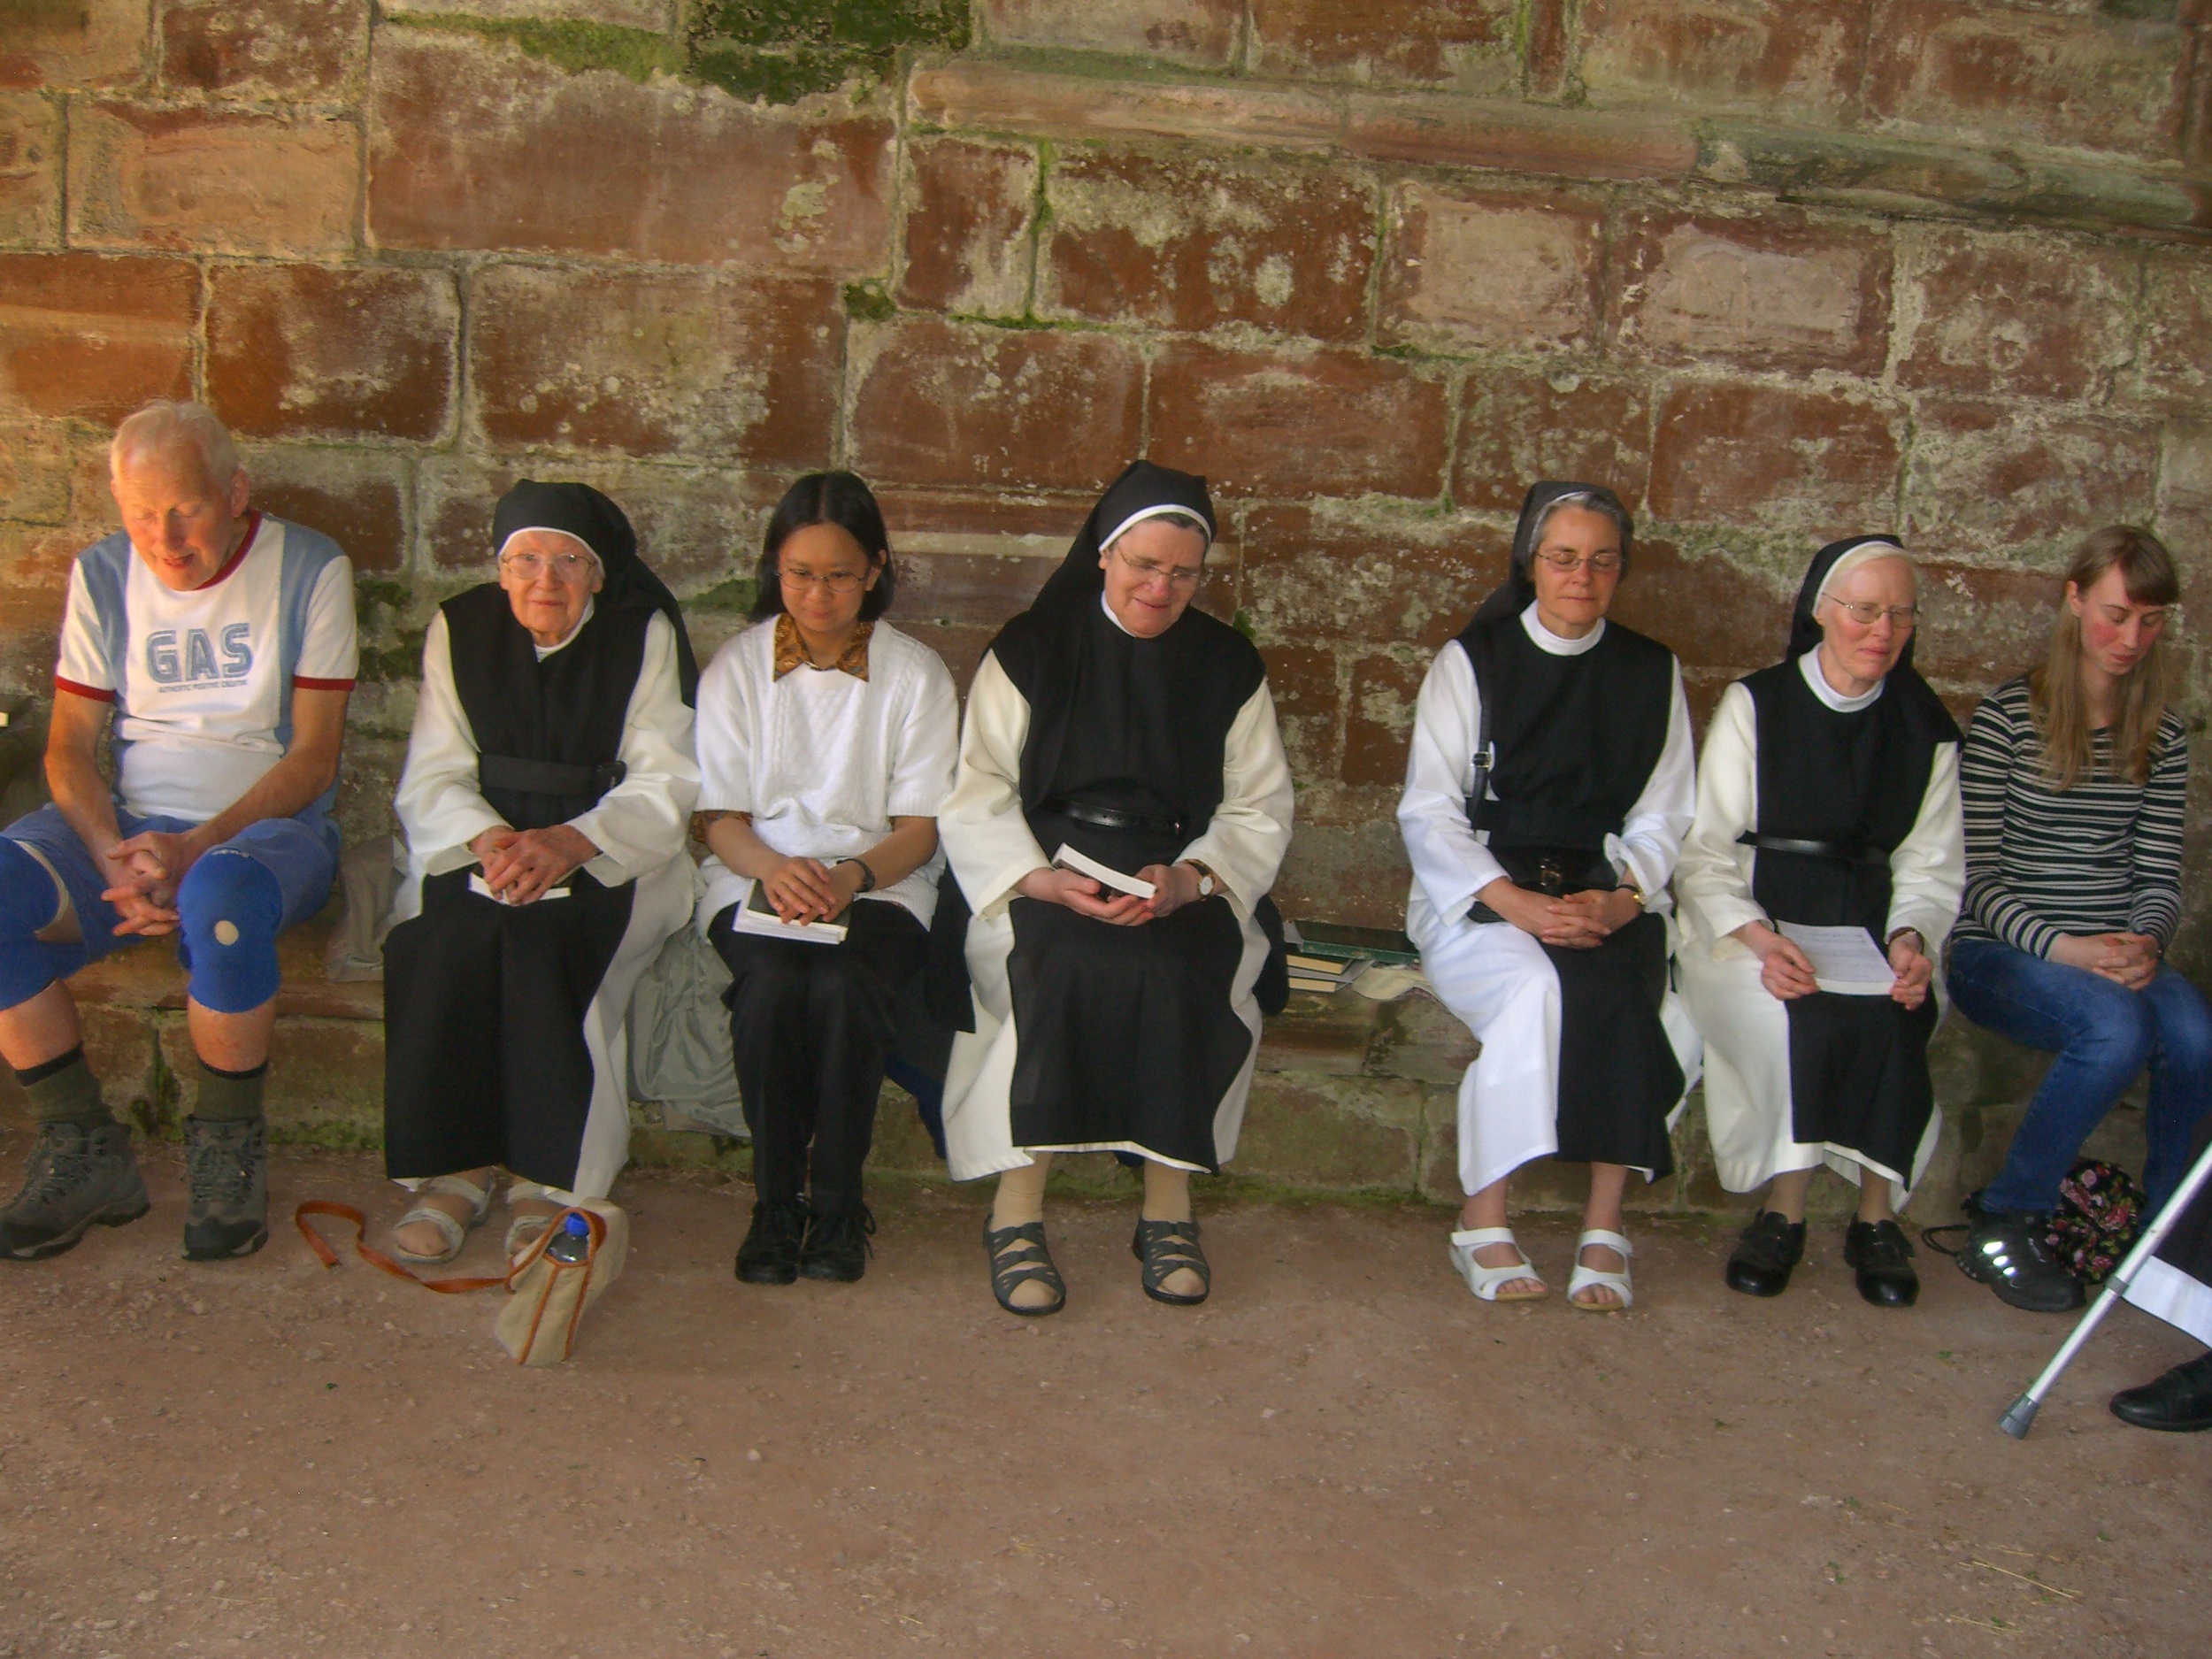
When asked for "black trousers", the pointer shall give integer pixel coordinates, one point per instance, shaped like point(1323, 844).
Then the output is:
point(811, 1024)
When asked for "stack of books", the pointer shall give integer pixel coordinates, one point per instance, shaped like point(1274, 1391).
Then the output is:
point(1325, 957)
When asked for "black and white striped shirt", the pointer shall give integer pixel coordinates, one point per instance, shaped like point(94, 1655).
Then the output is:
point(2103, 857)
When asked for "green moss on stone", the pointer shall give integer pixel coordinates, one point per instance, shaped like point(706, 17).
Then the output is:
point(880, 24)
point(733, 595)
point(382, 664)
point(780, 75)
point(566, 43)
point(867, 302)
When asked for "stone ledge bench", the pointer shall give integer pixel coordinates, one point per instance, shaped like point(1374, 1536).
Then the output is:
point(1351, 1097)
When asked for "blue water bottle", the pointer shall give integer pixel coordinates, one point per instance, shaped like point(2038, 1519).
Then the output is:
point(573, 1245)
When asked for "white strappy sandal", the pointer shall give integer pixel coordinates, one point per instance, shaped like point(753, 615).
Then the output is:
point(454, 1231)
point(1485, 1281)
point(1587, 1277)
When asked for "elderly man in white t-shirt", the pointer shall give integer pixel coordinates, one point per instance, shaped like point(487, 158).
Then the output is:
point(220, 644)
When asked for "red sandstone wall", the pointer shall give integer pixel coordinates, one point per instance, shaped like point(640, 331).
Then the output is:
point(1777, 272)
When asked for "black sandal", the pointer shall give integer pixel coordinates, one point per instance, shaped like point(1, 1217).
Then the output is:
point(1166, 1247)
point(1019, 1255)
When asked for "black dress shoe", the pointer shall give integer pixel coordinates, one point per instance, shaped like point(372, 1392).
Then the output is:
point(837, 1245)
point(1883, 1255)
point(2180, 1401)
point(770, 1255)
point(1771, 1248)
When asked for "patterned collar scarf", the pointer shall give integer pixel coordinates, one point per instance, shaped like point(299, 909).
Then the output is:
point(791, 652)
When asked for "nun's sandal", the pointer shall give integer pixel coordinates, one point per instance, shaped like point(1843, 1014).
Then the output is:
point(1166, 1248)
point(1019, 1257)
point(1595, 1278)
point(452, 1230)
point(1488, 1283)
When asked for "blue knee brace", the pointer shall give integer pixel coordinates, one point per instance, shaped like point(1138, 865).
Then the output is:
point(28, 902)
point(230, 908)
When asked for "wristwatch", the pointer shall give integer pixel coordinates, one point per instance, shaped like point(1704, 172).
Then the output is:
point(867, 873)
point(1208, 884)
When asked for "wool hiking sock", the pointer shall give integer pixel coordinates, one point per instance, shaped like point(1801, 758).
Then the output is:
point(230, 1096)
point(63, 1090)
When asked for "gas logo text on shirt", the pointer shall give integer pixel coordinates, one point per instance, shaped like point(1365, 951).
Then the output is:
point(187, 656)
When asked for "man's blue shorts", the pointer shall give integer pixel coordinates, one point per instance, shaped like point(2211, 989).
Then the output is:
point(299, 854)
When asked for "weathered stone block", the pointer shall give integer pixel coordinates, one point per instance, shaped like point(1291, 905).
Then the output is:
point(2177, 354)
point(981, 524)
point(1520, 426)
point(1305, 1131)
point(1775, 292)
point(475, 146)
point(684, 363)
point(94, 337)
point(1992, 478)
point(2034, 315)
point(1319, 1036)
point(36, 467)
point(1978, 627)
point(968, 587)
point(1766, 455)
point(1198, 241)
point(30, 170)
point(1378, 719)
point(1436, 131)
point(1491, 270)
point(1200, 33)
point(211, 181)
point(311, 350)
point(629, 15)
point(967, 227)
point(35, 561)
point(1365, 574)
point(1710, 610)
point(1804, 57)
point(264, 48)
point(2097, 81)
point(1421, 1039)
point(325, 1079)
point(1346, 872)
point(1465, 44)
point(937, 403)
point(1299, 423)
point(74, 44)
point(1308, 705)
point(357, 498)
point(1010, 98)
point(2185, 500)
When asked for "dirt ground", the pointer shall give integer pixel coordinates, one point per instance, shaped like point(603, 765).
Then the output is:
point(1343, 1453)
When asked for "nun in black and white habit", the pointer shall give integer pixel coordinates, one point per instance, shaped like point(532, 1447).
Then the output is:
point(548, 789)
point(1828, 796)
point(1115, 717)
point(1539, 871)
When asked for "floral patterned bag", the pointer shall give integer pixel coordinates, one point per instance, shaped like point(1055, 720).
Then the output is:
point(2099, 1217)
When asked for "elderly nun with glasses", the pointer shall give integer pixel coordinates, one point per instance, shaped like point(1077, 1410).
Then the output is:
point(1828, 800)
point(1549, 787)
point(1122, 806)
point(549, 784)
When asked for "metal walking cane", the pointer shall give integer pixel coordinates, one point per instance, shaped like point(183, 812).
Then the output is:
point(2020, 1416)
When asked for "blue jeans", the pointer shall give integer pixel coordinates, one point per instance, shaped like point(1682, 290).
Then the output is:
point(2104, 1035)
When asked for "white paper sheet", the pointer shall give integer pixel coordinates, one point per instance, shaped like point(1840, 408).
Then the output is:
point(1845, 960)
point(1068, 858)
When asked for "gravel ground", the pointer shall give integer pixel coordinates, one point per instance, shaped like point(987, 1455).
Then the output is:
point(1340, 1453)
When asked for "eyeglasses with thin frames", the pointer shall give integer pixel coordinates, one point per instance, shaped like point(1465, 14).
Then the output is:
point(570, 568)
point(1866, 613)
point(1184, 576)
point(839, 582)
point(1567, 564)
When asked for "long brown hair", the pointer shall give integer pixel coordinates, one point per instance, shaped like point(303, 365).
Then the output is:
point(2054, 693)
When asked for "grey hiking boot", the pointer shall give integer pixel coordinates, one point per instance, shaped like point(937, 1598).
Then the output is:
point(77, 1178)
point(226, 1168)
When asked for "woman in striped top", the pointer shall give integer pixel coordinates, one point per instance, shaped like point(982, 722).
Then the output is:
point(2074, 778)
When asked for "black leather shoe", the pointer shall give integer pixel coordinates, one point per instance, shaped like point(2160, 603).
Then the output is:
point(770, 1255)
point(2005, 1251)
point(837, 1245)
point(1769, 1251)
point(1883, 1255)
point(2180, 1401)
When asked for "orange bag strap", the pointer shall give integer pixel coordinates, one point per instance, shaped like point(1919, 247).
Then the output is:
point(377, 1258)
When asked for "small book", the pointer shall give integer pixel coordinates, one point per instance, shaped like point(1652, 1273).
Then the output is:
point(478, 886)
point(1324, 974)
point(757, 915)
point(1385, 947)
point(1105, 875)
point(1319, 987)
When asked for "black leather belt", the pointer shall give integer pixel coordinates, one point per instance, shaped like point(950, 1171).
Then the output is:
point(559, 779)
point(1111, 818)
point(1848, 852)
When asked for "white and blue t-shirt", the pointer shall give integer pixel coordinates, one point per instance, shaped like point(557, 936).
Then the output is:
point(203, 680)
